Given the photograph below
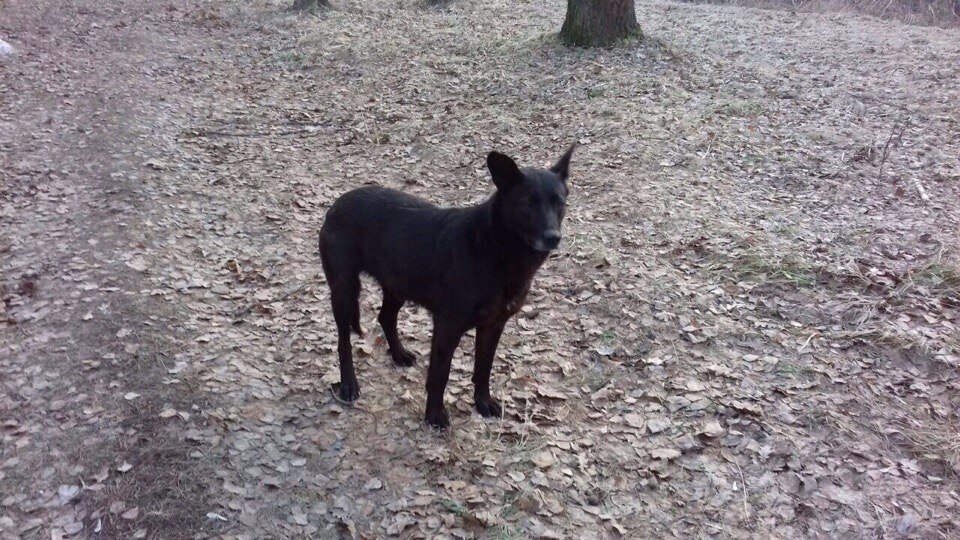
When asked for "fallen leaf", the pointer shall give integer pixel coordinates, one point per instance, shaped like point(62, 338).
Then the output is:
point(665, 453)
point(66, 493)
point(137, 264)
point(605, 350)
point(544, 460)
point(712, 428)
point(656, 425)
point(906, 523)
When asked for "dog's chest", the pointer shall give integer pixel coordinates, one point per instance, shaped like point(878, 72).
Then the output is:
point(505, 304)
point(509, 292)
point(515, 301)
point(511, 300)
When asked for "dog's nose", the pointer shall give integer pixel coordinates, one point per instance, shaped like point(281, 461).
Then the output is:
point(551, 239)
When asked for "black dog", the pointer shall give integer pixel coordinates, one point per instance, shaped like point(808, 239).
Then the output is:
point(470, 267)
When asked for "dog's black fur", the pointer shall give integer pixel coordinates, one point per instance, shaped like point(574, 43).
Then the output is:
point(470, 267)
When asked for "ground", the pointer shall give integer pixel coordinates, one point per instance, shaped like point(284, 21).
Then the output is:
point(751, 329)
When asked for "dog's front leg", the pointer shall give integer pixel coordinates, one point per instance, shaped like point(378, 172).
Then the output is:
point(488, 336)
point(446, 337)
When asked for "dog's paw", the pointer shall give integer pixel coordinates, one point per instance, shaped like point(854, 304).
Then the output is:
point(403, 357)
point(488, 407)
point(347, 391)
point(438, 419)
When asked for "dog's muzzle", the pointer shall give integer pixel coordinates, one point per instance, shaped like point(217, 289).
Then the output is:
point(548, 242)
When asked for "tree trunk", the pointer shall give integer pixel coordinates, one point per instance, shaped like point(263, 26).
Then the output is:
point(311, 6)
point(598, 22)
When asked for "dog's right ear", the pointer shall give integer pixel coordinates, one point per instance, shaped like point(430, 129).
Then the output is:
point(504, 170)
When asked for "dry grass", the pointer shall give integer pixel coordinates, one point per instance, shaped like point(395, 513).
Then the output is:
point(924, 433)
point(924, 12)
point(940, 440)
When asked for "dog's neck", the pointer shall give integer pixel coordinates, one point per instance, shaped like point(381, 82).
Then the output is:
point(517, 259)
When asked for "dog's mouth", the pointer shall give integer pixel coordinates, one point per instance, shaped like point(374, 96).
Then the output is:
point(546, 244)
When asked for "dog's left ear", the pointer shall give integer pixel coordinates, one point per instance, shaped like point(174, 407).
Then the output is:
point(562, 167)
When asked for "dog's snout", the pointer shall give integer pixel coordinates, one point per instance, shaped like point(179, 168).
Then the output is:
point(551, 239)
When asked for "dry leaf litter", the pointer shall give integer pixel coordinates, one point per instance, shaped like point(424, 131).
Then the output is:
point(751, 329)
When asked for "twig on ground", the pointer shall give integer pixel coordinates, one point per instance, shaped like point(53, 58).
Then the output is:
point(304, 131)
point(743, 491)
point(892, 141)
point(249, 307)
point(807, 342)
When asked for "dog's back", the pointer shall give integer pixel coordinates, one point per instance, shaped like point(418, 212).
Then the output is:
point(372, 208)
point(400, 240)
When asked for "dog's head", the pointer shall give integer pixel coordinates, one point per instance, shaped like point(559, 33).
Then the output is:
point(531, 202)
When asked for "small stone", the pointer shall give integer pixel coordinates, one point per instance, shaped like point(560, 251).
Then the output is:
point(6, 49)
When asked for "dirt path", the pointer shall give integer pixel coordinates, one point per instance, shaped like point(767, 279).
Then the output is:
point(89, 355)
point(751, 330)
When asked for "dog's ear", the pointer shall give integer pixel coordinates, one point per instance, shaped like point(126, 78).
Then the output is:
point(562, 167)
point(503, 169)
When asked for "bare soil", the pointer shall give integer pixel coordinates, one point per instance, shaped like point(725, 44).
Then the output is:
point(751, 329)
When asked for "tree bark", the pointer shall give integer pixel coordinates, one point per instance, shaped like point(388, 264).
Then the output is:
point(310, 5)
point(591, 23)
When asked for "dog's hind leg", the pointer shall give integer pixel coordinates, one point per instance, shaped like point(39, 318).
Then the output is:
point(388, 321)
point(446, 336)
point(344, 295)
